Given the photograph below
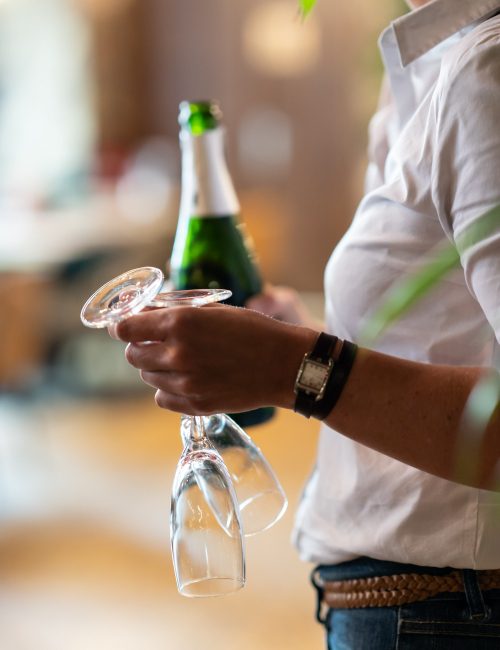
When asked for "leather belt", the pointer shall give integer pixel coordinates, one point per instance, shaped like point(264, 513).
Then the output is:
point(395, 590)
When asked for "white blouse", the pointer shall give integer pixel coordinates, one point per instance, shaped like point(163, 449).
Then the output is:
point(434, 169)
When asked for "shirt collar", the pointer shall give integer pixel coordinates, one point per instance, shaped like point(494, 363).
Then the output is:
point(422, 29)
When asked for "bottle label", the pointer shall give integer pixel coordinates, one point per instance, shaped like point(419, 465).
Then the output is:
point(207, 189)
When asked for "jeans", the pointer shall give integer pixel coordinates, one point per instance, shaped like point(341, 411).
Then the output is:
point(448, 621)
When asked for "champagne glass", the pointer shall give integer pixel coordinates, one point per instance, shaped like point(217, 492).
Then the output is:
point(205, 529)
point(261, 498)
point(206, 533)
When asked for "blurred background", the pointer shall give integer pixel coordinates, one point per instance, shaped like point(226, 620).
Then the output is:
point(89, 187)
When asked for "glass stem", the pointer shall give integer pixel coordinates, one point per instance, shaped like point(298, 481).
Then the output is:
point(198, 430)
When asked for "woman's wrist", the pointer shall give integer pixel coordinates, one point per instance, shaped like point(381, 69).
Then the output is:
point(298, 342)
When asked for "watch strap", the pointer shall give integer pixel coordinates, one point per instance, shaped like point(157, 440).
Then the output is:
point(337, 381)
point(323, 348)
point(322, 351)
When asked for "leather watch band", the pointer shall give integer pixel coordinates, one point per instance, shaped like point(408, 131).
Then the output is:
point(322, 352)
point(337, 380)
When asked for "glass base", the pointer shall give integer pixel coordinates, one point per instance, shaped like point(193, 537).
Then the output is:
point(253, 418)
point(262, 511)
point(210, 587)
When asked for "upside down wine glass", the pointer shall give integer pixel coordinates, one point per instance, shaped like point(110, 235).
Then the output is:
point(261, 498)
point(206, 532)
point(205, 529)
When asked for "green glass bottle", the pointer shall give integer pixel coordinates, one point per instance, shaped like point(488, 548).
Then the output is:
point(210, 249)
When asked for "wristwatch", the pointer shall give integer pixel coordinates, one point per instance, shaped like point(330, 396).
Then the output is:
point(314, 373)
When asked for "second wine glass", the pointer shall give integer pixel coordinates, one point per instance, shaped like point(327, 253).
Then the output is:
point(261, 498)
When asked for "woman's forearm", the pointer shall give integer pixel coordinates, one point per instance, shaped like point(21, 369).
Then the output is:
point(414, 412)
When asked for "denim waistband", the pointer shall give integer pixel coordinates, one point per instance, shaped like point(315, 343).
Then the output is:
point(366, 567)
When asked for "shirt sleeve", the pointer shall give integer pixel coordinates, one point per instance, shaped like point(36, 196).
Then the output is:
point(466, 168)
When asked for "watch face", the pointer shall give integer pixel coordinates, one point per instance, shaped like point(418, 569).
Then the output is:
point(314, 375)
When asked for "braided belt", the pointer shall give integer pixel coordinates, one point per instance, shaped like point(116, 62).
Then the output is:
point(394, 590)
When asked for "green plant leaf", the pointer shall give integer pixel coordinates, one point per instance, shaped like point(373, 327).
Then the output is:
point(480, 408)
point(406, 293)
point(403, 295)
point(306, 6)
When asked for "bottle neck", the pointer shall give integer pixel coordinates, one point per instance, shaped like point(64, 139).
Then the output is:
point(207, 189)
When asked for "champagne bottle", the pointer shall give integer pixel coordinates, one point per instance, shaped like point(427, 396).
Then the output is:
point(210, 249)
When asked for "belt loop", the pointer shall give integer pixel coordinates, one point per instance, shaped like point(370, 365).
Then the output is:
point(321, 608)
point(478, 611)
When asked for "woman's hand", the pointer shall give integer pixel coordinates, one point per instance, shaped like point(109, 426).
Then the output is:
point(215, 358)
point(283, 303)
